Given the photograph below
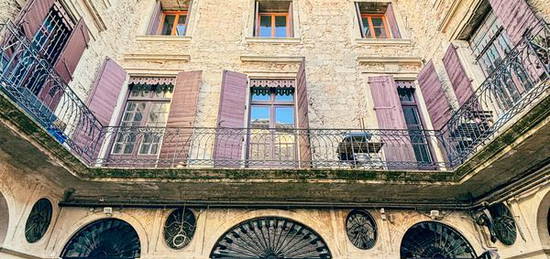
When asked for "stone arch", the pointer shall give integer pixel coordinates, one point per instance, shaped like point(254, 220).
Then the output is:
point(270, 237)
point(430, 239)
point(4, 219)
point(543, 221)
point(108, 237)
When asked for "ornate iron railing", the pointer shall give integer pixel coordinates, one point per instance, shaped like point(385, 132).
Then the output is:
point(28, 78)
point(515, 83)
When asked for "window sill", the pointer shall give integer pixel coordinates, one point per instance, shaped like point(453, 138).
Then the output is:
point(273, 40)
point(384, 42)
point(163, 38)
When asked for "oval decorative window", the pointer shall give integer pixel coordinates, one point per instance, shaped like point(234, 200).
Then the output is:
point(179, 228)
point(361, 229)
point(503, 223)
point(39, 220)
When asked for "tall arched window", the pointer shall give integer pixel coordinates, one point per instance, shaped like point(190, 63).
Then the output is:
point(105, 238)
point(435, 240)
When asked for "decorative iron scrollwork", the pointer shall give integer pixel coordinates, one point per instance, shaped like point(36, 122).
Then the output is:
point(179, 228)
point(39, 220)
point(361, 229)
point(271, 238)
point(503, 223)
point(435, 240)
point(105, 238)
point(500, 222)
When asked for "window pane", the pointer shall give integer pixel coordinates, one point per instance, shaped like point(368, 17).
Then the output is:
point(411, 117)
point(366, 29)
point(259, 117)
point(406, 95)
point(261, 97)
point(265, 26)
point(284, 117)
point(158, 115)
point(168, 24)
point(380, 32)
point(181, 25)
point(377, 22)
point(284, 97)
point(280, 26)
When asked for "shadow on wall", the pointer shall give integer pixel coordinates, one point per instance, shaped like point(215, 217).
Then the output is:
point(4, 219)
point(543, 222)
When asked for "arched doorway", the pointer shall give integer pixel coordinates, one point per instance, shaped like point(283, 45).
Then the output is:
point(105, 238)
point(435, 240)
point(4, 219)
point(270, 238)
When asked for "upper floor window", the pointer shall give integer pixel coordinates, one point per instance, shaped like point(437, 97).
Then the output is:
point(174, 23)
point(170, 18)
point(147, 105)
point(377, 20)
point(489, 43)
point(273, 19)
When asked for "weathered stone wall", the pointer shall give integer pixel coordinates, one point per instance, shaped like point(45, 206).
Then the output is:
point(21, 191)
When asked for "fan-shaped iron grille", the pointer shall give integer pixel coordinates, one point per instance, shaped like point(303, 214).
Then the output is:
point(107, 238)
point(179, 228)
point(435, 240)
point(39, 220)
point(361, 229)
point(504, 224)
point(270, 238)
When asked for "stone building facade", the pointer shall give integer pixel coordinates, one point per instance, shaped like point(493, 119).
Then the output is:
point(493, 200)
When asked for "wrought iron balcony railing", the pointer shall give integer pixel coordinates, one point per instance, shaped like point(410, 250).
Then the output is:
point(28, 79)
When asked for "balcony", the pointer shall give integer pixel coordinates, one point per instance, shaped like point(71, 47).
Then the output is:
point(30, 83)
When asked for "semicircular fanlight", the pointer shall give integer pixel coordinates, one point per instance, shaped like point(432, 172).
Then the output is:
point(270, 238)
point(361, 229)
point(106, 238)
point(179, 228)
point(503, 223)
point(435, 240)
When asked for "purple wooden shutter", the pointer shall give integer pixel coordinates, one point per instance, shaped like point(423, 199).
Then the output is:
point(302, 101)
point(397, 147)
point(105, 92)
point(101, 101)
point(434, 97)
point(228, 147)
point(181, 119)
point(390, 15)
point(32, 16)
point(154, 23)
point(516, 16)
point(462, 85)
point(72, 52)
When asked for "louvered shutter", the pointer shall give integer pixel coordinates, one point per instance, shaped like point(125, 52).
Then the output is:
point(302, 103)
point(516, 16)
point(397, 148)
point(32, 16)
point(72, 52)
point(102, 102)
point(437, 104)
point(231, 116)
point(181, 119)
point(154, 23)
point(462, 85)
point(390, 15)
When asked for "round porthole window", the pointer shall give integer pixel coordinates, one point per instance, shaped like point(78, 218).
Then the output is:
point(361, 229)
point(179, 228)
point(39, 220)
